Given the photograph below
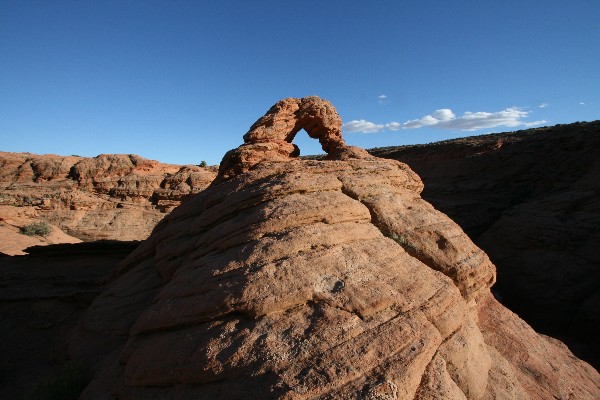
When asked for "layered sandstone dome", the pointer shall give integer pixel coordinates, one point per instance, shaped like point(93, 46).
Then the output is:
point(297, 279)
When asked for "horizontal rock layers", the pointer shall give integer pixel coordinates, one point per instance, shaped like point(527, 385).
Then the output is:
point(107, 197)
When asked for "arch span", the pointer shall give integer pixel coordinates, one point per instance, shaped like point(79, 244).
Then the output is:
point(286, 118)
point(270, 137)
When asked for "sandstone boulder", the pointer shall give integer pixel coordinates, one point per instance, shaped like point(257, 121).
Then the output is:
point(299, 279)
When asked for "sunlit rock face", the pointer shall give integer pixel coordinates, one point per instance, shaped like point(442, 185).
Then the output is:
point(111, 196)
point(529, 199)
point(297, 279)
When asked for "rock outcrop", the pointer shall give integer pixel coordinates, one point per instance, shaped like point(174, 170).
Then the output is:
point(107, 197)
point(529, 199)
point(298, 279)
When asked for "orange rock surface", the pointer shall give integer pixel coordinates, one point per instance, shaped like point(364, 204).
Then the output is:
point(529, 200)
point(106, 197)
point(297, 279)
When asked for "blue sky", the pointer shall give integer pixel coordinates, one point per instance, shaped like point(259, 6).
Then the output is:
point(182, 81)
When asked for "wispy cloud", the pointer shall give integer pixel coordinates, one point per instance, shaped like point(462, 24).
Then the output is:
point(472, 121)
point(435, 118)
point(393, 126)
point(543, 105)
point(446, 119)
point(581, 103)
point(361, 125)
point(382, 99)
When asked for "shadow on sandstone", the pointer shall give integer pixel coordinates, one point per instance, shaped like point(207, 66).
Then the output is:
point(42, 296)
point(529, 199)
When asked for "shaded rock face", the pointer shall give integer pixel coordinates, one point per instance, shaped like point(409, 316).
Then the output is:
point(529, 199)
point(299, 279)
point(107, 197)
point(42, 296)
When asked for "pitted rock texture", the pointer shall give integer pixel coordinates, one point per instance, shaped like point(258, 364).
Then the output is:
point(298, 279)
point(106, 197)
point(285, 119)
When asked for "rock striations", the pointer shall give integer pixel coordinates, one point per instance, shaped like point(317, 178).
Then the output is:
point(529, 199)
point(111, 196)
point(301, 279)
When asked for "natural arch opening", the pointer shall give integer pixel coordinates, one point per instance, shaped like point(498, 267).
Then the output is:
point(271, 137)
point(306, 145)
point(285, 119)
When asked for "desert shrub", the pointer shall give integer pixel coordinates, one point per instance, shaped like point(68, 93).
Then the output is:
point(66, 383)
point(402, 241)
point(36, 228)
point(203, 164)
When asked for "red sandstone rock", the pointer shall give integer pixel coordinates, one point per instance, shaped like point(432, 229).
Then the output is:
point(529, 199)
point(13, 242)
point(300, 279)
point(270, 138)
point(107, 197)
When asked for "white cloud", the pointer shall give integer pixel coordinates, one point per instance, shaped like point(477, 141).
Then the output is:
point(361, 125)
point(472, 121)
point(444, 114)
point(427, 120)
point(543, 105)
point(582, 103)
point(382, 97)
point(445, 119)
point(393, 126)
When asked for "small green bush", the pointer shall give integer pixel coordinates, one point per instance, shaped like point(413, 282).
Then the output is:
point(66, 383)
point(203, 164)
point(402, 241)
point(36, 229)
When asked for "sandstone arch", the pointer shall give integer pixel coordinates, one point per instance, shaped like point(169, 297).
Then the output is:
point(286, 118)
point(313, 279)
point(270, 137)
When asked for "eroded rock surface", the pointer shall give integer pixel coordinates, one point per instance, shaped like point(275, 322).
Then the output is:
point(297, 279)
point(530, 200)
point(106, 197)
